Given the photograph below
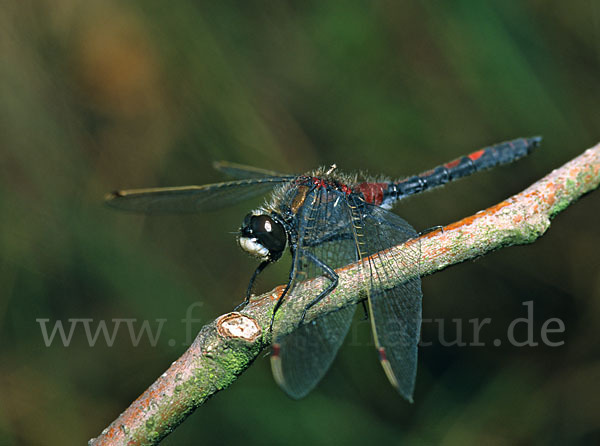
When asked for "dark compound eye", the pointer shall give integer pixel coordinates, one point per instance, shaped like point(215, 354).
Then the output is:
point(269, 233)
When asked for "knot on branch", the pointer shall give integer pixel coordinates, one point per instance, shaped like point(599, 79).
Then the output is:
point(236, 325)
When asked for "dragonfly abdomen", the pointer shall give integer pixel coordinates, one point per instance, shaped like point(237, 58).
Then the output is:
point(486, 158)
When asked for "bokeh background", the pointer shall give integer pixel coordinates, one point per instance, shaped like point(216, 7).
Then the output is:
point(99, 95)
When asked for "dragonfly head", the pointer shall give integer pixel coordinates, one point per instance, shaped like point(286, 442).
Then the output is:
point(262, 236)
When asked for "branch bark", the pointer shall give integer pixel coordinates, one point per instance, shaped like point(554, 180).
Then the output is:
point(226, 347)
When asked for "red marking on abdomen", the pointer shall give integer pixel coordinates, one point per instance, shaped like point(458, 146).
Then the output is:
point(476, 155)
point(382, 355)
point(373, 192)
point(452, 164)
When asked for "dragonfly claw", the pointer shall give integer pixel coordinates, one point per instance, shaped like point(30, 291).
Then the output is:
point(242, 304)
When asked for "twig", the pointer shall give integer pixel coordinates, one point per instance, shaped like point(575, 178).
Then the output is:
point(226, 347)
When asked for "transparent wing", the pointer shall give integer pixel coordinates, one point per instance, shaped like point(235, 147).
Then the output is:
point(303, 357)
point(191, 198)
point(395, 311)
point(243, 172)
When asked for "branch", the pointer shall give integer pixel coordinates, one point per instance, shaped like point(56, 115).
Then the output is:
point(226, 347)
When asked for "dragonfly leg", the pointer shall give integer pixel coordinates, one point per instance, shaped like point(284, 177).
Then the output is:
point(258, 270)
point(432, 229)
point(286, 289)
point(330, 273)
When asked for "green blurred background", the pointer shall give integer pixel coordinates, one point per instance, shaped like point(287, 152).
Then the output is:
point(99, 95)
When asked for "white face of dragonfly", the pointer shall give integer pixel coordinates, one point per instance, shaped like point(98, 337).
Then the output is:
point(262, 236)
point(253, 247)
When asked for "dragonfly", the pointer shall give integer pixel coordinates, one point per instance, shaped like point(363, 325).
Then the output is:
point(328, 220)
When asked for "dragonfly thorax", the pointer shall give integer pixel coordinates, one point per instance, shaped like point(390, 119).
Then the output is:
point(262, 236)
